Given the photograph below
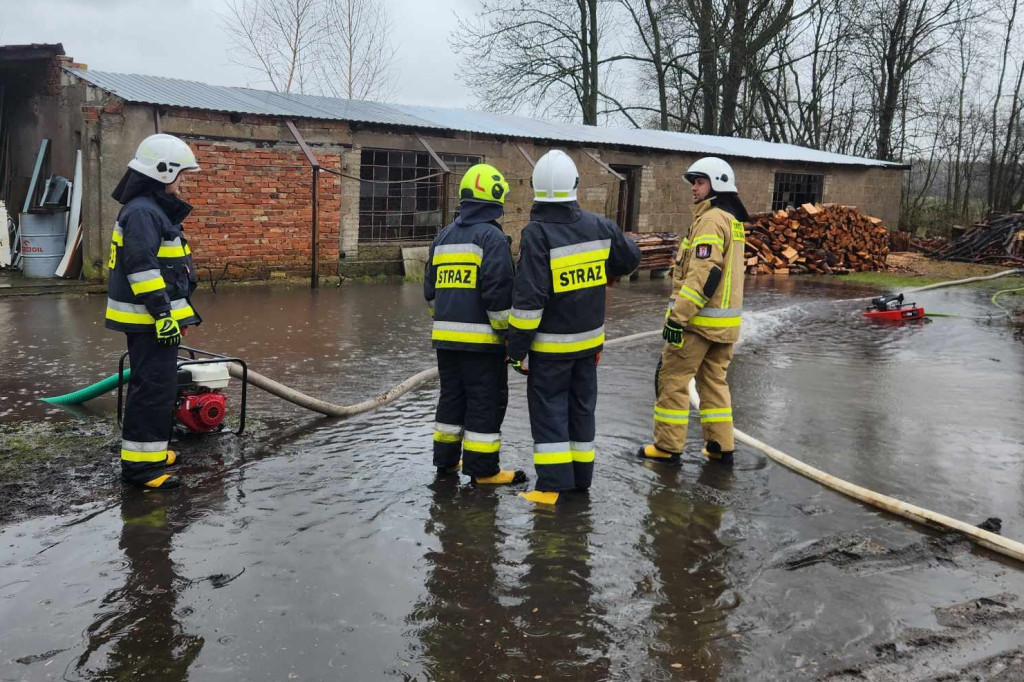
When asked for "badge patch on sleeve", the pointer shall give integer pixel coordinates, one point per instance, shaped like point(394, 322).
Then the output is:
point(703, 251)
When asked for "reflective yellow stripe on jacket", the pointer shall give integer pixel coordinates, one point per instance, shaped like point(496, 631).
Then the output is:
point(464, 332)
point(132, 313)
point(717, 317)
point(567, 343)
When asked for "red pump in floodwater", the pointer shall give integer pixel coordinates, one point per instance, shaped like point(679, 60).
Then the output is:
point(201, 405)
point(892, 308)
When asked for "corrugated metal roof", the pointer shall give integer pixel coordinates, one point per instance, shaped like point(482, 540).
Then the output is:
point(189, 94)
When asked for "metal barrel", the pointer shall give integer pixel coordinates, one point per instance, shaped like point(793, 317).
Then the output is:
point(43, 237)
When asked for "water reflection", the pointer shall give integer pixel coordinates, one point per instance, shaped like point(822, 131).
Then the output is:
point(137, 635)
point(465, 629)
point(681, 541)
point(562, 623)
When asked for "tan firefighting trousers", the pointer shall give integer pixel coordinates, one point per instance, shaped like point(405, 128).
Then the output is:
point(708, 362)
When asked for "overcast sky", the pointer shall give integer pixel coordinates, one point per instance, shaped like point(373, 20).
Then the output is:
point(183, 39)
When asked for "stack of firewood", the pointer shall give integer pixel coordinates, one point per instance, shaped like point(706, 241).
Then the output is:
point(658, 248)
point(997, 240)
point(819, 238)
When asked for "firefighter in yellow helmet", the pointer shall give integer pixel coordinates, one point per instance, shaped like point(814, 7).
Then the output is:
point(468, 287)
point(703, 320)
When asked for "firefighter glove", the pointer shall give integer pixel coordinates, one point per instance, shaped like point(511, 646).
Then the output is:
point(518, 366)
point(167, 331)
point(673, 333)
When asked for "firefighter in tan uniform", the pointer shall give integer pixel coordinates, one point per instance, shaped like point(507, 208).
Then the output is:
point(703, 320)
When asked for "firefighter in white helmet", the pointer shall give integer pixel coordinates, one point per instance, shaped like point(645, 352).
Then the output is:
point(148, 298)
point(703, 319)
point(566, 257)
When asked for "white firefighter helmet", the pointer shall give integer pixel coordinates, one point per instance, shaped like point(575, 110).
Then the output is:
point(714, 169)
point(162, 157)
point(555, 178)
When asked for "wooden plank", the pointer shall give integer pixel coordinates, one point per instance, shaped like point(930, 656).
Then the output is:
point(302, 144)
point(437, 159)
point(604, 165)
point(526, 156)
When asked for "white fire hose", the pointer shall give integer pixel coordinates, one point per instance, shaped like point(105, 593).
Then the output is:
point(989, 540)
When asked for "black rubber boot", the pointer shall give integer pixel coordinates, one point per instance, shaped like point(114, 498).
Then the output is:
point(713, 451)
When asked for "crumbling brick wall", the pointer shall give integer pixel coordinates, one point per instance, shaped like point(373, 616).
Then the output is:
point(253, 209)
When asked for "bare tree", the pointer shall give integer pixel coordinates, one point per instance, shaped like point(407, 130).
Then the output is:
point(357, 61)
point(1001, 189)
point(541, 53)
point(335, 47)
point(897, 37)
point(278, 39)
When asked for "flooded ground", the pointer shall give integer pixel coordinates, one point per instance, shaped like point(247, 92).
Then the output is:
point(313, 549)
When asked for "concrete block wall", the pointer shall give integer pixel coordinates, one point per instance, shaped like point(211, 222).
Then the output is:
point(252, 202)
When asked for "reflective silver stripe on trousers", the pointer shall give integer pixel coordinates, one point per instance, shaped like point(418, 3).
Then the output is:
point(720, 312)
point(176, 304)
point(568, 338)
point(498, 316)
point(459, 248)
point(581, 447)
point(463, 327)
point(143, 276)
point(483, 437)
point(448, 428)
point(139, 446)
point(527, 314)
point(551, 447)
point(573, 249)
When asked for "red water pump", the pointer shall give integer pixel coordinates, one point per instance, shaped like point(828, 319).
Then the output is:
point(201, 411)
point(201, 405)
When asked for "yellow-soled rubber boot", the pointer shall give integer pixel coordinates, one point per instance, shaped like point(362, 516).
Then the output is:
point(713, 451)
point(656, 454)
point(503, 477)
point(540, 497)
point(163, 482)
point(172, 458)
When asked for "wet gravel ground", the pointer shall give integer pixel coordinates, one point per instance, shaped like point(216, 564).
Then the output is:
point(318, 549)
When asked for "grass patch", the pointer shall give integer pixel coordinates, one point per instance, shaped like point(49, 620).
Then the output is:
point(24, 445)
point(902, 280)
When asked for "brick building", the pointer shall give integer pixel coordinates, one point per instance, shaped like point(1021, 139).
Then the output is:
point(390, 172)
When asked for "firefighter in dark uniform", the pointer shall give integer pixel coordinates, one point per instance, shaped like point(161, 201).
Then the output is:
point(468, 287)
point(151, 280)
point(566, 258)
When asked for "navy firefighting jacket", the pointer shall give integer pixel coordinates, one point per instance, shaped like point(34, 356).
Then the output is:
point(468, 281)
point(151, 269)
point(565, 259)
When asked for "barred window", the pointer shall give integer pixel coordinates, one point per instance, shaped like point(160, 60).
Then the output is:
point(794, 189)
point(396, 203)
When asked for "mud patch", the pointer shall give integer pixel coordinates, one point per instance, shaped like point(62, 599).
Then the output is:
point(811, 509)
point(855, 552)
point(48, 468)
point(53, 468)
point(980, 641)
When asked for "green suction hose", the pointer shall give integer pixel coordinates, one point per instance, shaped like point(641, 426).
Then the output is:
point(88, 393)
point(1000, 293)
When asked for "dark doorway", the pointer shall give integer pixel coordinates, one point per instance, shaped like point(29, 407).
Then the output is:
point(629, 197)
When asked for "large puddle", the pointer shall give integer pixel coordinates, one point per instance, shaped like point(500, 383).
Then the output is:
point(334, 553)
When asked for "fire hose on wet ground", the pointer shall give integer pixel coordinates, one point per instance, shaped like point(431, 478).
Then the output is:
point(984, 538)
